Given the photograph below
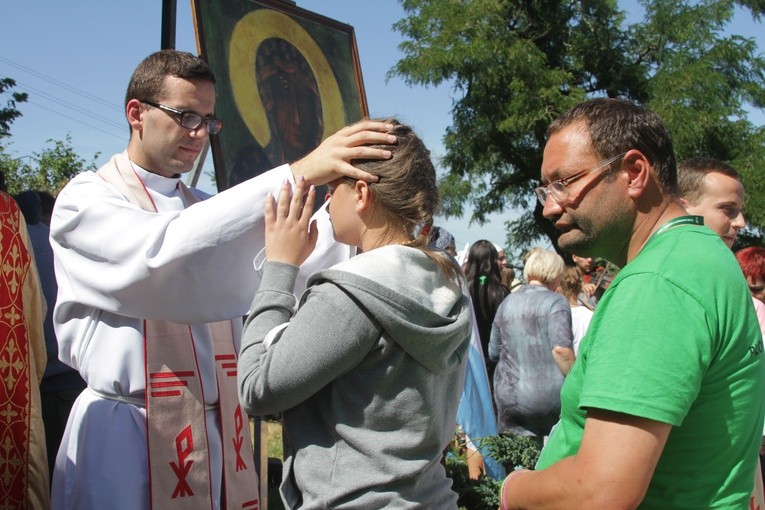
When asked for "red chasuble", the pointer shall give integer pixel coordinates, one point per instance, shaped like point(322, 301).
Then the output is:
point(15, 388)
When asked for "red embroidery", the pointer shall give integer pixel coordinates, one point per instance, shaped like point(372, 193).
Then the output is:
point(15, 377)
point(170, 375)
point(239, 439)
point(752, 505)
point(173, 379)
point(231, 367)
point(182, 468)
point(251, 504)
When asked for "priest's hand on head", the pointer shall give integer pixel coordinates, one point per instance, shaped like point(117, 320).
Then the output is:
point(289, 238)
point(332, 159)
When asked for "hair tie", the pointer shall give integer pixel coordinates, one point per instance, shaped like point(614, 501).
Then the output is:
point(482, 279)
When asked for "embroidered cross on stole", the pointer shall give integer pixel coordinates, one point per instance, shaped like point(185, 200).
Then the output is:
point(179, 466)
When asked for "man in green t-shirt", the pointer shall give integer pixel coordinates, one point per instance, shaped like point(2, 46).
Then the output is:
point(664, 406)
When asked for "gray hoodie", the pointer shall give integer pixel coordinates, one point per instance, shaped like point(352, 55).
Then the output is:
point(368, 374)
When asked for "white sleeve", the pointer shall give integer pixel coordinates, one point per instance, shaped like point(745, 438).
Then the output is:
point(193, 265)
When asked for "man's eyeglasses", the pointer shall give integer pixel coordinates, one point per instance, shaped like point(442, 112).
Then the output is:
point(190, 120)
point(558, 190)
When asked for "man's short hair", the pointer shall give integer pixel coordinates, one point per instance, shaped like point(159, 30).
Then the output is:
point(616, 126)
point(147, 81)
point(690, 176)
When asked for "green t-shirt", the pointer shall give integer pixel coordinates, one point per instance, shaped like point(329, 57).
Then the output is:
point(676, 339)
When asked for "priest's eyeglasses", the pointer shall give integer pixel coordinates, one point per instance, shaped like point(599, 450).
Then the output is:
point(559, 191)
point(190, 120)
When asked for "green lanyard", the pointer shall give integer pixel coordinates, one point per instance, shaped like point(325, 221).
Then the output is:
point(680, 220)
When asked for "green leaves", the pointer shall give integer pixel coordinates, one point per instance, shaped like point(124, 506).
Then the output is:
point(516, 65)
point(48, 170)
point(9, 113)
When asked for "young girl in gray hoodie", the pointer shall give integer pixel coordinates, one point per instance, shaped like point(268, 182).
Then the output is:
point(368, 372)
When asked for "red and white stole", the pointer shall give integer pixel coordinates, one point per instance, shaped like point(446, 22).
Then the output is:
point(15, 375)
point(179, 466)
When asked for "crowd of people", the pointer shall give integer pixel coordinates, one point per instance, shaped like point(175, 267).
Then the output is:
point(144, 321)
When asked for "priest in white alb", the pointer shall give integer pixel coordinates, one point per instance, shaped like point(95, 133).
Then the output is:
point(153, 280)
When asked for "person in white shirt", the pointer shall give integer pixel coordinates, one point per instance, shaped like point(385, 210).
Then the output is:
point(571, 287)
point(139, 257)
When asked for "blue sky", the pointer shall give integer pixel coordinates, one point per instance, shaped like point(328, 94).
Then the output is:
point(75, 59)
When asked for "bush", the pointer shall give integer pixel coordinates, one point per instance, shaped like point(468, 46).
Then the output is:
point(513, 451)
point(510, 450)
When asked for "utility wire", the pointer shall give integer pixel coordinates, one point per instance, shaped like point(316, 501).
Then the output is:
point(75, 120)
point(63, 85)
point(74, 90)
point(75, 107)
